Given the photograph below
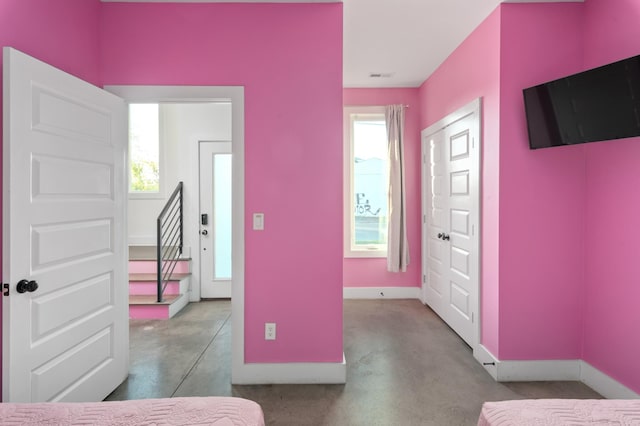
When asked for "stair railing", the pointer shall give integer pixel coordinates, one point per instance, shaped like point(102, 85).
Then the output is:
point(169, 239)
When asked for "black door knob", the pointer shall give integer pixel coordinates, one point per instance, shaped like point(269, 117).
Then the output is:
point(446, 237)
point(440, 235)
point(26, 286)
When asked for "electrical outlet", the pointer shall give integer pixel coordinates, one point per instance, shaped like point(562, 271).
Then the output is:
point(269, 331)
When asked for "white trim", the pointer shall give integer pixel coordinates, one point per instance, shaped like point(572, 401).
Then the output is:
point(546, 370)
point(183, 300)
point(538, 370)
point(604, 384)
point(381, 293)
point(487, 360)
point(293, 373)
point(195, 94)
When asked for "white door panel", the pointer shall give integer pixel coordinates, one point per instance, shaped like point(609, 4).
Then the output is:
point(215, 203)
point(450, 232)
point(64, 227)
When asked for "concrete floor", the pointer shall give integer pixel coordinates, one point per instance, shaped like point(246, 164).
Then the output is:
point(404, 367)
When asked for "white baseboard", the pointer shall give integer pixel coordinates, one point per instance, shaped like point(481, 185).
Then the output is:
point(381, 292)
point(547, 370)
point(290, 373)
point(603, 384)
point(532, 371)
point(487, 360)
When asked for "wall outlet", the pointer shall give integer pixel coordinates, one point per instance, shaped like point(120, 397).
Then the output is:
point(269, 331)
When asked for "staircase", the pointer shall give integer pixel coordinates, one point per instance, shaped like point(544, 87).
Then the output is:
point(143, 283)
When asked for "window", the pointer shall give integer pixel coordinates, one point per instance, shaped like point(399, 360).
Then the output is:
point(222, 216)
point(144, 150)
point(366, 171)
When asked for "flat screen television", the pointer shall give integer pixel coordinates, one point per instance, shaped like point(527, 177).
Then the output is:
point(596, 105)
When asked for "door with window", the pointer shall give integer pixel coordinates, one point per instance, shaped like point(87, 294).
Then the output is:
point(215, 219)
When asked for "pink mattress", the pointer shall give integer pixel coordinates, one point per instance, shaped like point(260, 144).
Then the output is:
point(542, 412)
point(218, 411)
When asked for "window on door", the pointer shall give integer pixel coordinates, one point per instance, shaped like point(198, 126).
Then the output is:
point(222, 216)
point(144, 151)
point(366, 176)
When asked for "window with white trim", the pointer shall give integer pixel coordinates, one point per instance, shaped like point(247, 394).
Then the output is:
point(144, 150)
point(366, 188)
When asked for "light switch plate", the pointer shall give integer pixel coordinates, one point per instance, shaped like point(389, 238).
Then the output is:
point(258, 221)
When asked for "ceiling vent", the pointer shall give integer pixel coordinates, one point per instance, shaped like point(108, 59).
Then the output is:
point(380, 74)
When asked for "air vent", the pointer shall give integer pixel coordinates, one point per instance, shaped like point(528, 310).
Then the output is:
point(380, 74)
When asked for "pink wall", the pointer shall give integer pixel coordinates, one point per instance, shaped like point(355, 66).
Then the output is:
point(565, 230)
point(470, 72)
point(372, 272)
point(529, 199)
point(541, 192)
point(62, 33)
point(289, 59)
point(612, 316)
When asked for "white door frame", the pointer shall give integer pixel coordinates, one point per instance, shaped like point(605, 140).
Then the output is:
point(474, 107)
point(199, 94)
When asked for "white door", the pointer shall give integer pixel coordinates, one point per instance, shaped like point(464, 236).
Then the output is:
point(215, 219)
point(64, 228)
point(451, 230)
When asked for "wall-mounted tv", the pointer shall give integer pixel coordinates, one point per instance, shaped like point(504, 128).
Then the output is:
point(596, 105)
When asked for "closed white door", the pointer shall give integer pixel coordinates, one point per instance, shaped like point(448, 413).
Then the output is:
point(450, 232)
point(65, 313)
point(215, 219)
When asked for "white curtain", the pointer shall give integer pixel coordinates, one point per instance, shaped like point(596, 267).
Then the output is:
point(397, 243)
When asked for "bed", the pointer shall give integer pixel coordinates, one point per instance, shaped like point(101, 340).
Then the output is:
point(543, 412)
point(218, 411)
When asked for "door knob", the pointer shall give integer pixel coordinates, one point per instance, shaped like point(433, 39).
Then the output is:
point(26, 286)
point(446, 237)
point(204, 232)
point(440, 235)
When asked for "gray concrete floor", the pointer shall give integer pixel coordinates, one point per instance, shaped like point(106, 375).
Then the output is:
point(404, 367)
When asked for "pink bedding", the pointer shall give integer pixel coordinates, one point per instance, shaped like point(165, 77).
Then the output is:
point(218, 411)
point(543, 412)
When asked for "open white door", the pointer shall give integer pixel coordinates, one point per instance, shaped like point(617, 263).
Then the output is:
point(215, 219)
point(64, 228)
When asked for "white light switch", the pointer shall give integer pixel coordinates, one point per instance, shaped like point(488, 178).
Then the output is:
point(258, 221)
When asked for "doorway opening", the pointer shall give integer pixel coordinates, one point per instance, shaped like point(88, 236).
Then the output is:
point(189, 102)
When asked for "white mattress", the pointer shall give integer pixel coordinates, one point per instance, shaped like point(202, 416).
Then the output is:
point(542, 412)
point(218, 411)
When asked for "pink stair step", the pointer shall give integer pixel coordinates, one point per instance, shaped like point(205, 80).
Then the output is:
point(151, 287)
point(150, 267)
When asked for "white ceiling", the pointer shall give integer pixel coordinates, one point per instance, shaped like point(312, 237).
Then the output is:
point(405, 40)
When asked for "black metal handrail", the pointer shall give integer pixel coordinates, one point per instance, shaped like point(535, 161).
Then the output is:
point(169, 239)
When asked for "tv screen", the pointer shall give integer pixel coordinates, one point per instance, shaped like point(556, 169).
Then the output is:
point(596, 105)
